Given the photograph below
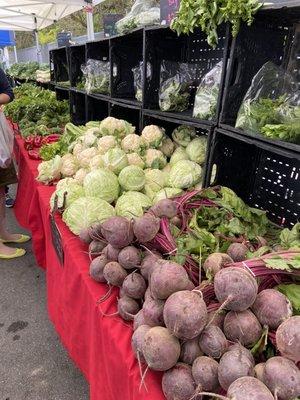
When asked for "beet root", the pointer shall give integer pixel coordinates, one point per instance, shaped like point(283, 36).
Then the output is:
point(145, 228)
point(97, 267)
point(259, 371)
point(236, 288)
point(238, 252)
point(288, 338)
point(161, 350)
point(214, 263)
point(213, 342)
point(128, 308)
point(178, 383)
point(139, 320)
point(272, 308)
point(129, 257)
point(153, 311)
point(165, 208)
point(216, 318)
point(114, 273)
point(134, 285)
point(242, 327)
point(185, 314)
point(282, 377)
point(117, 231)
point(148, 264)
point(205, 374)
point(190, 350)
point(234, 364)
point(167, 278)
point(248, 388)
point(84, 236)
point(111, 253)
point(96, 247)
point(137, 341)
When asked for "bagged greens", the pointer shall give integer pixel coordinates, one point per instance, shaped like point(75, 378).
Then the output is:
point(97, 76)
point(138, 81)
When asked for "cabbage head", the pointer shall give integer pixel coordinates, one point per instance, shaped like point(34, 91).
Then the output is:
point(196, 150)
point(132, 178)
point(65, 183)
point(49, 171)
point(132, 204)
point(135, 159)
point(167, 147)
point(115, 160)
point(116, 127)
point(184, 174)
point(67, 194)
point(105, 143)
point(103, 184)
point(183, 135)
point(132, 143)
point(155, 159)
point(179, 154)
point(155, 179)
point(85, 211)
point(166, 193)
point(153, 135)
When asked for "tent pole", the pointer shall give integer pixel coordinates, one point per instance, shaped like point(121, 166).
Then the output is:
point(15, 49)
point(37, 43)
point(90, 20)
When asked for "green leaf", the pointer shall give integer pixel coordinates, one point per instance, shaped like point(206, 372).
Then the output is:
point(277, 263)
point(292, 292)
point(262, 342)
point(290, 238)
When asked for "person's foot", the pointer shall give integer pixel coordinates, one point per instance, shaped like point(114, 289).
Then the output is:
point(14, 238)
point(9, 253)
point(9, 202)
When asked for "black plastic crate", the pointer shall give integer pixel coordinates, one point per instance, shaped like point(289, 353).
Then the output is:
point(127, 112)
point(62, 93)
point(162, 44)
point(98, 50)
point(96, 109)
point(126, 53)
point(263, 177)
point(76, 60)
point(60, 59)
point(77, 107)
point(169, 124)
point(270, 38)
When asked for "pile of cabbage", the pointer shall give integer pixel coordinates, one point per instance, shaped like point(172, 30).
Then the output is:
point(110, 170)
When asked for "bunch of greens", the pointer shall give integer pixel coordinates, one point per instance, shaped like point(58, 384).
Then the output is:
point(97, 76)
point(25, 70)
point(209, 14)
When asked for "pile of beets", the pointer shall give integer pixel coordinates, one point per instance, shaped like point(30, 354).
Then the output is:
point(202, 347)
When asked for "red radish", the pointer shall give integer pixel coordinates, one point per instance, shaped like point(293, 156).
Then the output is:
point(216, 318)
point(205, 374)
point(138, 320)
point(84, 236)
point(129, 257)
point(161, 350)
point(288, 338)
point(185, 314)
point(213, 342)
point(248, 388)
point(242, 327)
point(153, 311)
point(214, 263)
point(190, 350)
point(282, 377)
point(259, 371)
point(236, 288)
point(237, 251)
point(128, 308)
point(234, 364)
point(114, 273)
point(168, 277)
point(117, 231)
point(137, 341)
point(165, 208)
point(111, 253)
point(96, 248)
point(272, 308)
point(145, 228)
point(178, 383)
point(97, 267)
point(148, 264)
point(134, 286)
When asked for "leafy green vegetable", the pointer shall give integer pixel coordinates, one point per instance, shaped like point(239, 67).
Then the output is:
point(290, 238)
point(174, 96)
point(292, 292)
point(277, 262)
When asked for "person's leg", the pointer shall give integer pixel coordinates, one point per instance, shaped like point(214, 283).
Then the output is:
point(9, 202)
point(3, 231)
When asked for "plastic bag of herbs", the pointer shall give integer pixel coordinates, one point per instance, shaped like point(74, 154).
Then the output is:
point(97, 76)
point(138, 81)
point(271, 105)
point(142, 13)
point(207, 94)
point(176, 84)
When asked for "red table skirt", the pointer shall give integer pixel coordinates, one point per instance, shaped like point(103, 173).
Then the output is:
point(99, 345)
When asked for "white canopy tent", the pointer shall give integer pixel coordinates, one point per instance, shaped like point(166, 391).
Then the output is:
point(33, 15)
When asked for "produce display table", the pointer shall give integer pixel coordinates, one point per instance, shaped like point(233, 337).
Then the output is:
point(99, 345)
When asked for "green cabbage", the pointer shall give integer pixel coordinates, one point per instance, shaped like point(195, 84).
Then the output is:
point(183, 135)
point(196, 150)
point(184, 174)
point(49, 171)
point(115, 160)
point(155, 179)
point(132, 204)
point(166, 193)
point(66, 195)
point(103, 184)
point(167, 146)
point(132, 178)
point(179, 154)
point(65, 183)
point(83, 212)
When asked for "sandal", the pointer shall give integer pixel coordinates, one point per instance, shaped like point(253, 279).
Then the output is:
point(16, 254)
point(22, 239)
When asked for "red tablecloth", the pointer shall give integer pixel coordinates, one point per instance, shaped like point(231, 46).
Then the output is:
point(99, 345)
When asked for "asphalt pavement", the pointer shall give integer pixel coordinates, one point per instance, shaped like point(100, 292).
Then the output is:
point(33, 363)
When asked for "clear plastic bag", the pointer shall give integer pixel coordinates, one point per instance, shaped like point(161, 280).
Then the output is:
point(138, 81)
point(6, 142)
point(97, 76)
point(143, 12)
point(271, 105)
point(176, 81)
point(207, 94)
